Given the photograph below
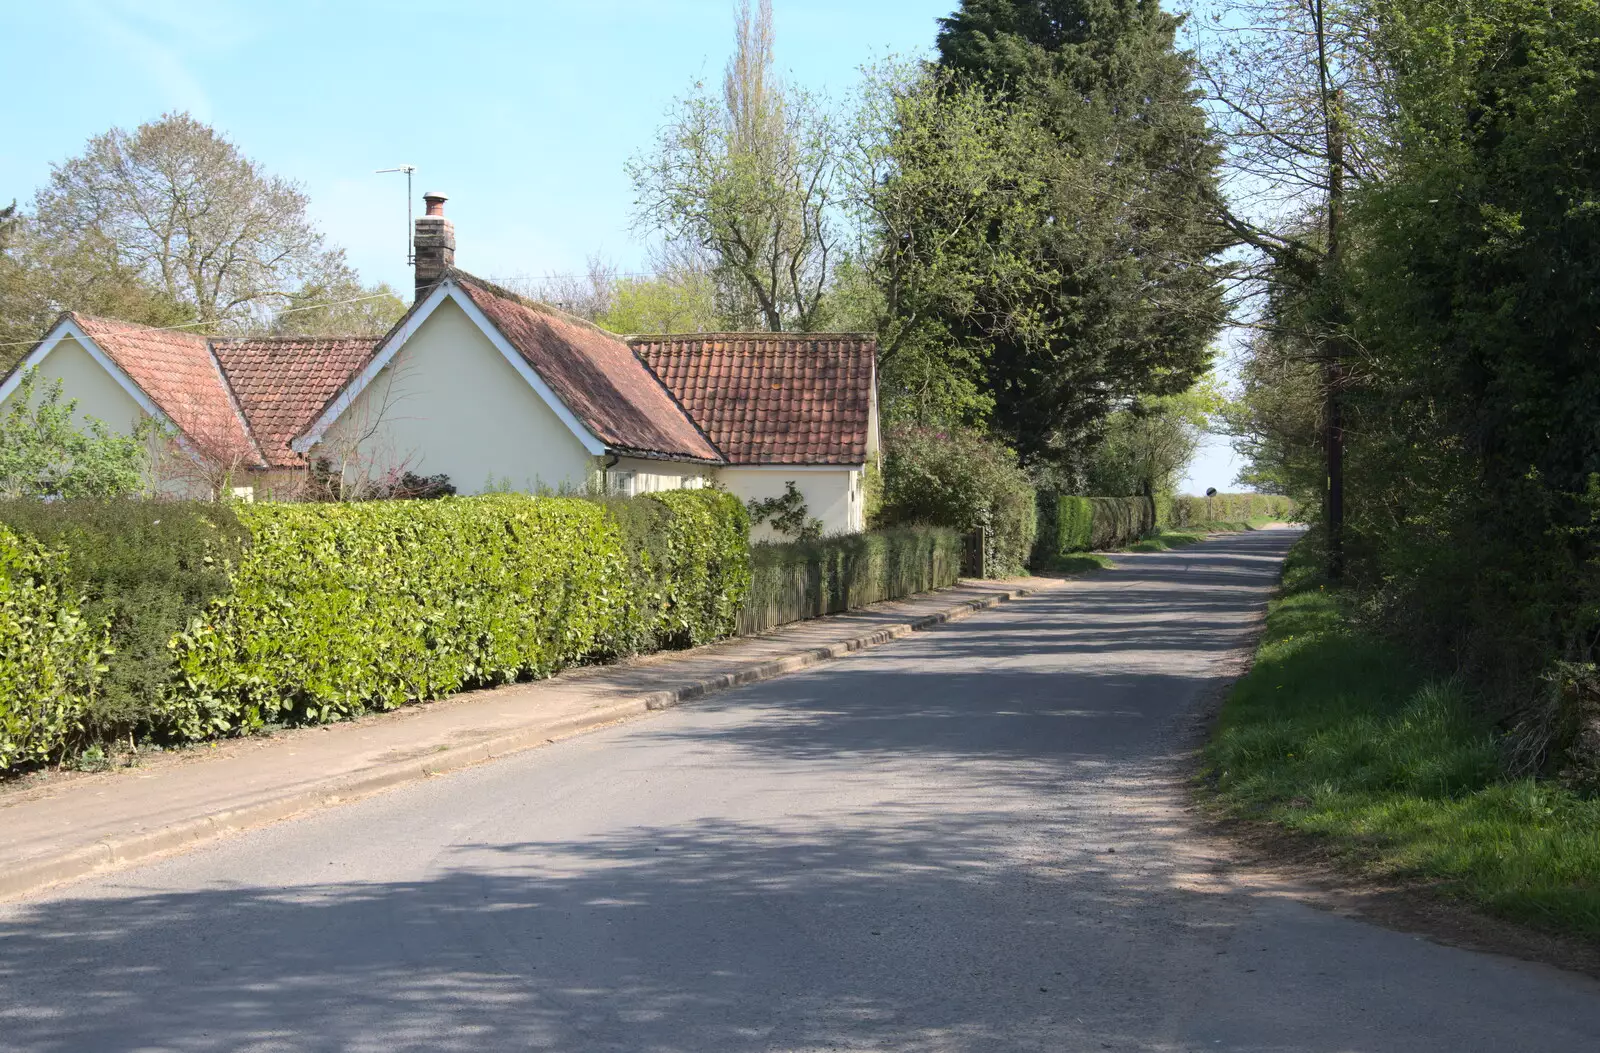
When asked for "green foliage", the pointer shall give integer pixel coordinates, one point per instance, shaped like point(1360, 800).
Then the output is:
point(959, 478)
point(342, 609)
point(1225, 508)
point(48, 653)
point(44, 452)
point(1145, 448)
point(1339, 734)
point(810, 579)
point(1066, 526)
point(1114, 290)
point(141, 570)
point(689, 568)
point(675, 301)
point(787, 514)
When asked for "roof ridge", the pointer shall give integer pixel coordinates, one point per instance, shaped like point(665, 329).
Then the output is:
point(79, 316)
point(537, 306)
point(734, 334)
point(280, 338)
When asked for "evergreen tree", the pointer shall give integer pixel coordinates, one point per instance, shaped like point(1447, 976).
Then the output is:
point(1125, 298)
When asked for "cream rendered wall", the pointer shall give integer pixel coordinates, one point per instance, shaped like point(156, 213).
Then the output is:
point(449, 402)
point(82, 378)
point(651, 476)
point(832, 494)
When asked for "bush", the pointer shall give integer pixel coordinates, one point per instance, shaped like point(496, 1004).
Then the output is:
point(1069, 524)
point(48, 653)
point(792, 582)
point(1223, 508)
point(142, 569)
point(341, 609)
point(689, 569)
point(959, 478)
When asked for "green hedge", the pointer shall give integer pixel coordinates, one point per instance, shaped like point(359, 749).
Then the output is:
point(48, 653)
point(1224, 508)
point(143, 569)
point(342, 609)
point(307, 613)
point(791, 582)
point(1069, 524)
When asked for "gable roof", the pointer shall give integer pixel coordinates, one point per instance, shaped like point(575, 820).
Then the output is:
point(282, 383)
point(772, 398)
point(181, 376)
point(594, 374)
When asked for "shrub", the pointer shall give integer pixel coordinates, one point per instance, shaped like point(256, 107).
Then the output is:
point(48, 653)
point(961, 479)
point(689, 569)
point(1069, 524)
point(1065, 526)
point(341, 609)
point(44, 451)
point(792, 582)
point(143, 569)
point(1223, 508)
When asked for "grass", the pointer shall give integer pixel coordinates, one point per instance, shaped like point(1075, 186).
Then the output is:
point(1166, 539)
point(1338, 735)
point(1082, 563)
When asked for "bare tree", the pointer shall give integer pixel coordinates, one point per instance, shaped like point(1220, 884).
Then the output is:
point(1299, 98)
point(751, 179)
point(587, 295)
point(183, 208)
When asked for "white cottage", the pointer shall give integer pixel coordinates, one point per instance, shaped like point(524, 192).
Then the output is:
point(497, 392)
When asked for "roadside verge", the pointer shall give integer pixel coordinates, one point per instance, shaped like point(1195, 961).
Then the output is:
point(63, 829)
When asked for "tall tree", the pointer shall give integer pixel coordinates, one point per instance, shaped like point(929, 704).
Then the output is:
point(177, 204)
point(749, 178)
point(1129, 300)
point(1299, 96)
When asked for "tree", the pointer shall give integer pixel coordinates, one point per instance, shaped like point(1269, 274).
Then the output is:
point(1299, 95)
point(176, 204)
point(1147, 446)
point(945, 195)
point(749, 178)
point(343, 307)
point(40, 278)
point(1125, 298)
point(45, 453)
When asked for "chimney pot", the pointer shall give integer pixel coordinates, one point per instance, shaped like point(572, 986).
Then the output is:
point(434, 243)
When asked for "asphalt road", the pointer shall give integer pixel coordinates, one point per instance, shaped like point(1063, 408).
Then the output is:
point(967, 840)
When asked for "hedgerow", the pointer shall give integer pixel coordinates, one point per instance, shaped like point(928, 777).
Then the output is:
point(142, 570)
point(791, 582)
point(1223, 508)
point(342, 609)
point(48, 653)
point(1069, 524)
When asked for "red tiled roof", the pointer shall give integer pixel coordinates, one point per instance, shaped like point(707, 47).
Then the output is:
point(179, 373)
point(594, 374)
point(772, 399)
point(282, 383)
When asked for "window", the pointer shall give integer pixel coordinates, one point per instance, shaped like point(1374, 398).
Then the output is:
point(622, 484)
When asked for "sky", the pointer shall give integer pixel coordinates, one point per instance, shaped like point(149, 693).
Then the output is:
point(523, 113)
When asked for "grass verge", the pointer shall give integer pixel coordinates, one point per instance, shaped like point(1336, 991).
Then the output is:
point(1166, 540)
point(1337, 735)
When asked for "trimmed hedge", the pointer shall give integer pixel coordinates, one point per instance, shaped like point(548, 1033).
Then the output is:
point(1069, 524)
point(792, 582)
point(48, 653)
point(1224, 508)
point(143, 569)
point(342, 609)
point(327, 611)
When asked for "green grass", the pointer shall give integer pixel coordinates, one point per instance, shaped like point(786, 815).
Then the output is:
point(1338, 735)
point(1165, 540)
point(1082, 563)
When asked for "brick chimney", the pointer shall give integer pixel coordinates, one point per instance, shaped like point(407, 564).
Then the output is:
point(434, 244)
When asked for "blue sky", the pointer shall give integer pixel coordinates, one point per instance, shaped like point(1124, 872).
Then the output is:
point(524, 113)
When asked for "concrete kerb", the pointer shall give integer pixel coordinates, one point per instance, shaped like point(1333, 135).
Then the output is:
point(107, 854)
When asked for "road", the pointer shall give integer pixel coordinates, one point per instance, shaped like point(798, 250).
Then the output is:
point(972, 839)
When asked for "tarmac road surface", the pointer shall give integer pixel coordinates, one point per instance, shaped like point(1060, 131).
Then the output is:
point(971, 839)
